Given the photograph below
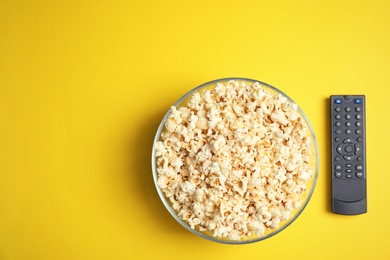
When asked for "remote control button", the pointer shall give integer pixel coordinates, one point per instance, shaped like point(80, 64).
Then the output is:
point(338, 131)
point(358, 131)
point(348, 171)
point(337, 139)
point(359, 139)
point(348, 176)
point(338, 116)
point(338, 174)
point(348, 140)
point(358, 109)
point(348, 165)
point(339, 148)
point(359, 174)
point(338, 109)
point(348, 157)
point(338, 124)
point(347, 116)
point(337, 101)
point(337, 159)
point(358, 149)
point(358, 101)
point(349, 149)
point(347, 109)
point(360, 159)
point(338, 167)
point(358, 124)
point(348, 131)
point(348, 98)
point(358, 116)
point(347, 124)
point(359, 167)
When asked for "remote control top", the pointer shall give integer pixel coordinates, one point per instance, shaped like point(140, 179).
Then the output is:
point(348, 154)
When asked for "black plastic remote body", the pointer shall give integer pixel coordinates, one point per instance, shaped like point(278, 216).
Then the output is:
point(348, 154)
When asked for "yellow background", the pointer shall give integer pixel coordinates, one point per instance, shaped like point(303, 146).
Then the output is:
point(84, 85)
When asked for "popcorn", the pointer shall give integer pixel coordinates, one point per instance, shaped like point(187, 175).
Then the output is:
point(235, 161)
point(279, 117)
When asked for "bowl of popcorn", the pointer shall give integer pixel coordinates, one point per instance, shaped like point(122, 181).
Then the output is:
point(235, 161)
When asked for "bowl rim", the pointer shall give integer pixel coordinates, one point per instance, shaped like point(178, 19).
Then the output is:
point(227, 241)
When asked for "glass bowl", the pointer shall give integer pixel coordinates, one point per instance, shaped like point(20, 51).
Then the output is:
point(305, 196)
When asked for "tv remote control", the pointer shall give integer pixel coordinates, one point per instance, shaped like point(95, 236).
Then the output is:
point(348, 155)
